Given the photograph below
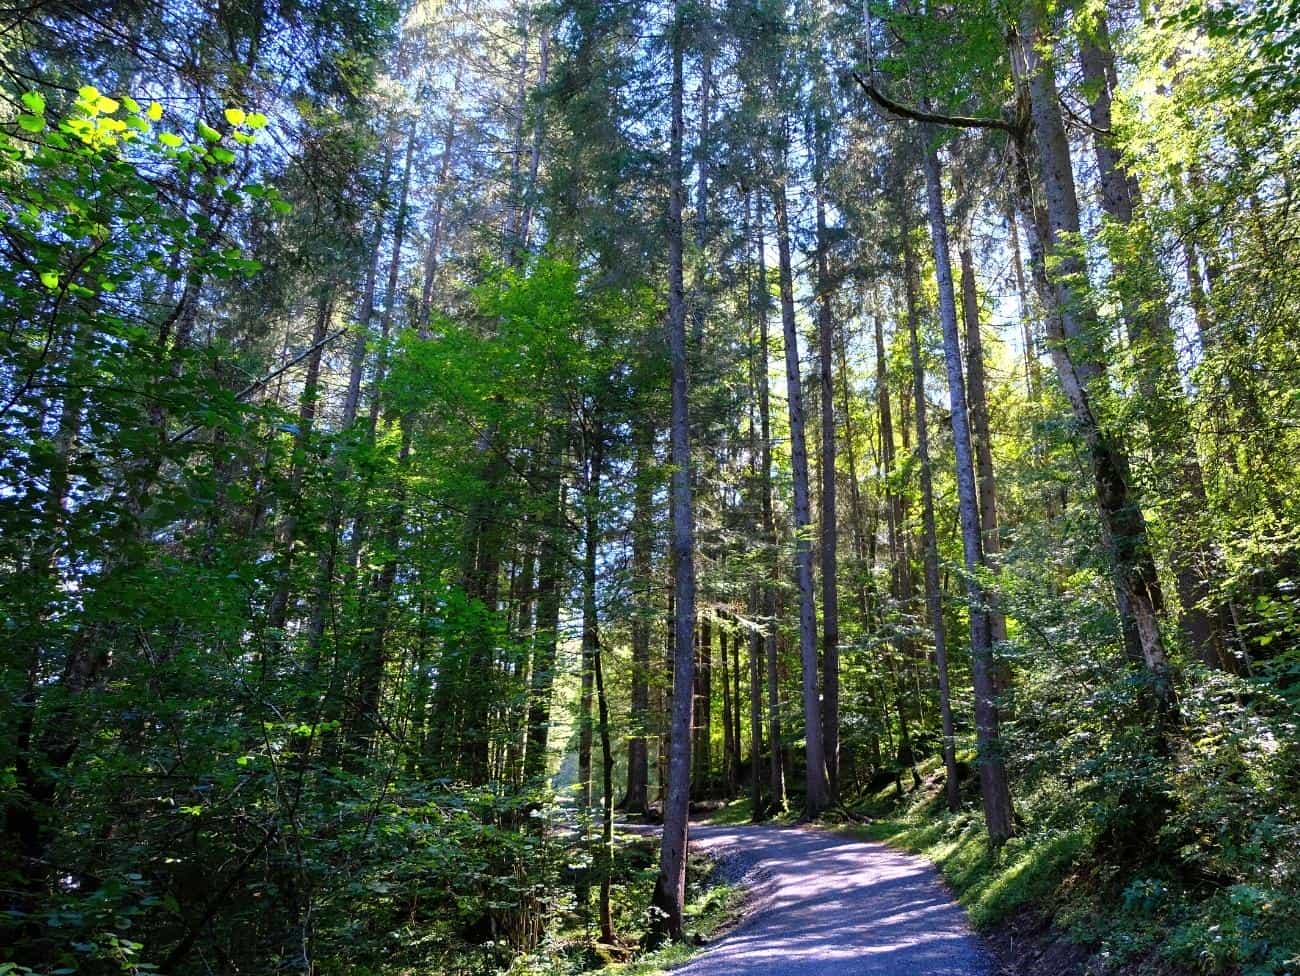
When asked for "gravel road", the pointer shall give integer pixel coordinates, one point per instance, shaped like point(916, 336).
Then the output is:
point(826, 905)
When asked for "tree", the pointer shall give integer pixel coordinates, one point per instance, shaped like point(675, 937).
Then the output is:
point(670, 888)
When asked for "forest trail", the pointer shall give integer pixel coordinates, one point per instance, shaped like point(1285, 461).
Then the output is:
point(828, 905)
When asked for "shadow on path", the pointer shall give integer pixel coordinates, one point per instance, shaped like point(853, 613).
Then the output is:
point(825, 905)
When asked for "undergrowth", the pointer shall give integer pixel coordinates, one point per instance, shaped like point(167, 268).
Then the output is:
point(1136, 913)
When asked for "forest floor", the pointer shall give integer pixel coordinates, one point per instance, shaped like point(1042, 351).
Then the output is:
point(823, 904)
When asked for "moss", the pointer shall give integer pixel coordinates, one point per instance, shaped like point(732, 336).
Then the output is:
point(991, 885)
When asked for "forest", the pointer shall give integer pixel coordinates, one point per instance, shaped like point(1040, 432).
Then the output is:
point(437, 436)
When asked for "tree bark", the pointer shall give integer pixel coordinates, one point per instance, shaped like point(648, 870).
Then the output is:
point(828, 520)
point(897, 557)
point(593, 448)
point(982, 439)
point(1205, 621)
point(1080, 364)
point(993, 776)
point(550, 574)
point(930, 540)
point(729, 749)
point(817, 797)
point(702, 749)
point(670, 887)
point(638, 775)
point(776, 771)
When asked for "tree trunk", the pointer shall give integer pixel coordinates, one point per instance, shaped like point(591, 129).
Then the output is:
point(670, 887)
point(1079, 362)
point(828, 521)
point(729, 749)
point(433, 250)
point(550, 574)
point(1204, 621)
point(776, 770)
point(643, 580)
point(897, 558)
point(993, 775)
point(607, 808)
point(982, 440)
point(930, 540)
point(593, 448)
point(702, 749)
point(702, 150)
point(287, 532)
point(817, 795)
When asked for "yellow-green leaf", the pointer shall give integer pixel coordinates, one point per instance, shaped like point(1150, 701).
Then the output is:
point(257, 120)
point(131, 104)
point(50, 279)
point(170, 139)
point(35, 102)
point(235, 116)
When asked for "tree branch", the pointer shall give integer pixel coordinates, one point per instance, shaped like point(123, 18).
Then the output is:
point(917, 115)
point(253, 387)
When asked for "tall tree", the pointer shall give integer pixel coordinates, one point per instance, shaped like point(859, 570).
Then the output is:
point(817, 797)
point(993, 774)
point(670, 887)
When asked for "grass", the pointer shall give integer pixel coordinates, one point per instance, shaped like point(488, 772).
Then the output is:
point(990, 885)
point(713, 909)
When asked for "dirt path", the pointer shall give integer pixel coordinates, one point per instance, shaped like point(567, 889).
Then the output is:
point(827, 905)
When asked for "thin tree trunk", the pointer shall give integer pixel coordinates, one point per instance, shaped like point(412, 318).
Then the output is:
point(643, 581)
point(894, 528)
point(702, 150)
point(607, 809)
point(546, 634)
point(930, 540)
point(1080, 364)
point(735, 714)
point(433, 249)
point(287, 532)
point(1204, 621)
point(729, 749)
point(702, 750)
point(828, 519)
point(982, 440)
point(776, 777)
point(817, 796)
point(670, 887)
point(993, 775)
point(535, 154)
point(594, 450)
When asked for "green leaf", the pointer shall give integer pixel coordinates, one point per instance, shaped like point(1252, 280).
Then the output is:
point(223, 155)
point(208, 133)
point(35, 102)
point(31, 123)
point(170, 139)
point(131, 104)
point(235, 116)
